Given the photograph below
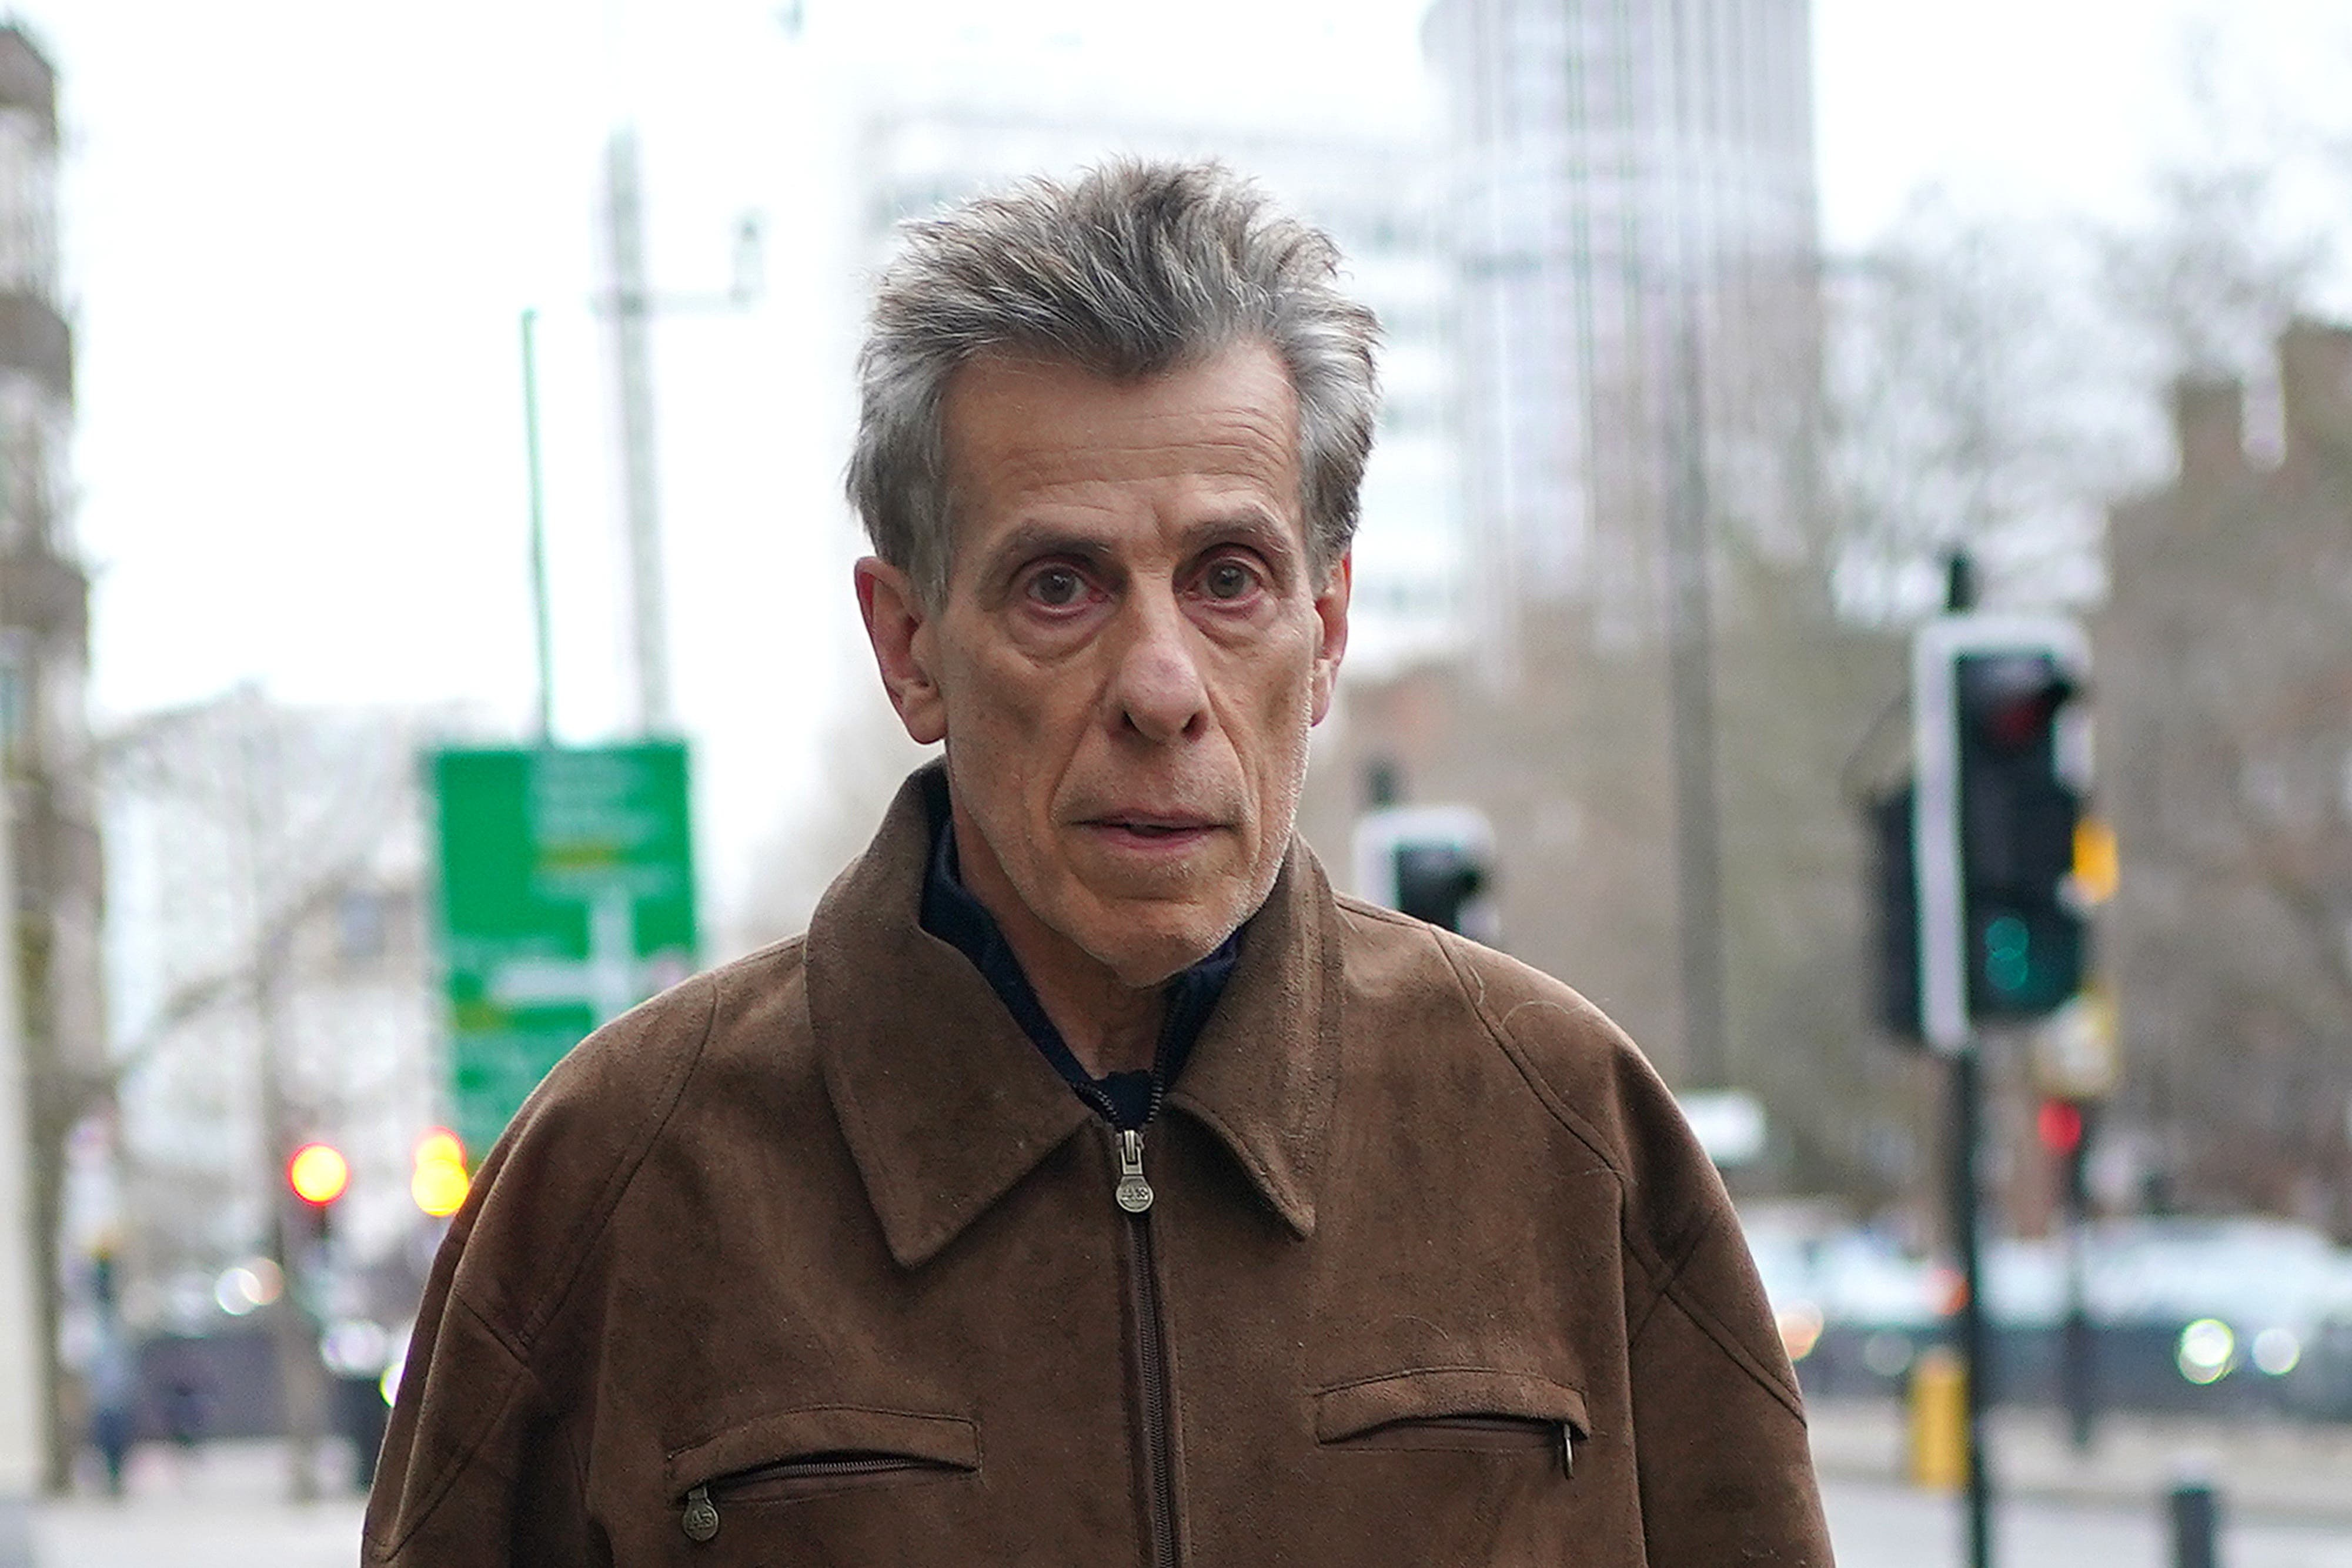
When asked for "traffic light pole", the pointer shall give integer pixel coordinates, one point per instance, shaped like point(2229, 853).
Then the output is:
point(1944, 1019)
point(1962, 847)
point(1967, 1136)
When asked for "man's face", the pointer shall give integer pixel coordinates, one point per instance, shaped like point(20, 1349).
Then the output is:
point(1131, 650)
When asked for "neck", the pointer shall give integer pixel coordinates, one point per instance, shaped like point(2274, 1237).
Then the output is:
point(1108, 1025)
point(1116, 1030)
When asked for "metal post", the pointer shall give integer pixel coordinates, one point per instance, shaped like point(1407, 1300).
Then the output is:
point(1967, 1135)
point(2196, 1523)
point(1690, 682)
point(538, 529)
point(2078, 1371)
point(1945, 1022)
point(633, 357)
point(294, 1336)
point(23, 1400)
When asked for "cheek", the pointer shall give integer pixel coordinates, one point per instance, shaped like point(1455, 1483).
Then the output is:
point(1013, 729)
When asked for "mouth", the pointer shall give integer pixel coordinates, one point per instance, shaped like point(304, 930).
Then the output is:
point(1151, 830)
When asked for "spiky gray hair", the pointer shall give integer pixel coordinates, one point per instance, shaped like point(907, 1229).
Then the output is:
point(1129, 270)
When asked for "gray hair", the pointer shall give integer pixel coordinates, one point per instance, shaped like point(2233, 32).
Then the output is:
point(1129, 270)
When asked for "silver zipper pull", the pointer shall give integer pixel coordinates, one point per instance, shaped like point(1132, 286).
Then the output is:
point(1134, 1193)
point(1567, 1450)
point(701, 1519)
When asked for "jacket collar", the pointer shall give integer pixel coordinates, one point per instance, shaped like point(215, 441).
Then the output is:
point(945, 1102)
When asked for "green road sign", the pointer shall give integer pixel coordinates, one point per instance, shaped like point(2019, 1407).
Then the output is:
point(567, 897)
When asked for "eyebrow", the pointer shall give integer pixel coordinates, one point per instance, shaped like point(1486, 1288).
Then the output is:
point(1251, 525)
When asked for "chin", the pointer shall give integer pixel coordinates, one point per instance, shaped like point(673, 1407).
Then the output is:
point(1144, 952)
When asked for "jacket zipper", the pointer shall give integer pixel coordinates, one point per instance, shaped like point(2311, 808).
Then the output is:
point(1133, 1195)
point(700, 1519)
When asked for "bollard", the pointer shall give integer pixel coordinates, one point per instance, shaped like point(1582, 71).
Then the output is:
point(1938, 1420)
point(2195, 1518)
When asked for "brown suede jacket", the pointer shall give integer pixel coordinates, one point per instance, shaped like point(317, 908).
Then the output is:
point(815, 1259)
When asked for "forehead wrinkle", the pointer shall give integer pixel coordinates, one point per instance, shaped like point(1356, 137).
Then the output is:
point(1099, 444)
point(1087, 453)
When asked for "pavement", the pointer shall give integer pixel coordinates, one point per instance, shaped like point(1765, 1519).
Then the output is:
point(1883, 1524)
point(223, 1507)
point(2289, 1471)
point(2285, 1492)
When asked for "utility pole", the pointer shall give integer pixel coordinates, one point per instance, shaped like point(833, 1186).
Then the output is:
point(293, 1332)
point(631, 307)
point(542, 645)
point(1690, 683)
point(23, 1398)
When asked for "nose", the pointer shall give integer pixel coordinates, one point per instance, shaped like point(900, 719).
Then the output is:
point(1157, 691)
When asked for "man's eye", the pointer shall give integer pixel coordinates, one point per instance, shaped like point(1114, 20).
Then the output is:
point(1056, 587)
point(1228, 579)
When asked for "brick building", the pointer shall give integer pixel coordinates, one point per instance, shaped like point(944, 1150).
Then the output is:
point(2225, 738)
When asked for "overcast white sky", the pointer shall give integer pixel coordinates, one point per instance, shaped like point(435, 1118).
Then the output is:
point(298, 236)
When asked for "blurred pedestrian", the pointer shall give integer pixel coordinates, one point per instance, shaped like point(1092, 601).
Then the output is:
point(184, 1407)
point(112, 1379)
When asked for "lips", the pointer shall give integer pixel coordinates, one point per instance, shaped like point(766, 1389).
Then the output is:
point(1149, 832)
point(1153, 826)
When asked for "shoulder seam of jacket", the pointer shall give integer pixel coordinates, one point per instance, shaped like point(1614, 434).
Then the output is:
point(1551, 1098)
point(1640, 1250)
point(1695, 1308)
point(617, 1182)
point(520, 1344)
point(389, 1550)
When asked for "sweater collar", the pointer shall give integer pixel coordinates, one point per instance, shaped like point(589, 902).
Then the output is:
point(946, 1103)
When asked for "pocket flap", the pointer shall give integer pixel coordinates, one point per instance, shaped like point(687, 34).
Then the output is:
point(782, 1435)
point(1352, 1409)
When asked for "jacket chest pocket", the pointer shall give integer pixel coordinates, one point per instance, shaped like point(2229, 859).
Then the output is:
point(1454, 1409)
point(797, 1456)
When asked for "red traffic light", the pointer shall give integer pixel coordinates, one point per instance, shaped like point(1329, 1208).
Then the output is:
point(2008, 701)
point(317, 1172)
point(2060, 1124)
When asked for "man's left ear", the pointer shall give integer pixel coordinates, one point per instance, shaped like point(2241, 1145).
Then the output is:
point(1331, 616)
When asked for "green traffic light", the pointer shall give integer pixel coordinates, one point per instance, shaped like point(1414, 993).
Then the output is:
point(2008, 952)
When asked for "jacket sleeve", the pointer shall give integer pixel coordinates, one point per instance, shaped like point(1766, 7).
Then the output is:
point(1727, 1473)
point(475, 1472)
point(478, 1469)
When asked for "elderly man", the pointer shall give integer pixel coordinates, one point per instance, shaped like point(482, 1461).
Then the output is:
point(1090, 1185)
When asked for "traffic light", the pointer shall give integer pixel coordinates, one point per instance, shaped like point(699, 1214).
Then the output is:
point(318, 1173)
point(1432, 862)
point(2065, 1129)
point(2000, 762)
point(2018, 813)
point(439, 1182)
point(1436, 882)
point(1895, 889)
